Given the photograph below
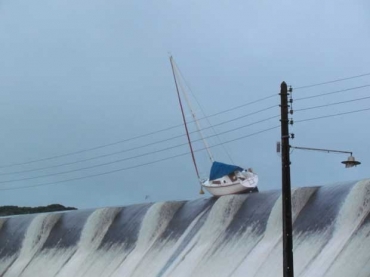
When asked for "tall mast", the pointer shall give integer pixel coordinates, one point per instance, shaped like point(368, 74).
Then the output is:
point(210, 156)
point(197, 125)
point(186, 126)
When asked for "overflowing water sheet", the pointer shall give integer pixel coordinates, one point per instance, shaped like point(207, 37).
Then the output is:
point(235, 235)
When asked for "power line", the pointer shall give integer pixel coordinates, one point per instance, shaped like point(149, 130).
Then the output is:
point(136, 166)
point(142, 146)
point(332, 92)
point(332, 104)
point(183, 154)
point(172, 138)
point(332, 81)
point(331, 115)
point(132, 138)
point(161, 141)
point(176, 126)
point(130, 158)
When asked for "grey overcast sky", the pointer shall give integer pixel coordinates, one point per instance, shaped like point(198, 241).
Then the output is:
point(78, 74)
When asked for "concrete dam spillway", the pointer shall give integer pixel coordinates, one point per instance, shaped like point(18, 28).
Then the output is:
point(236, 235)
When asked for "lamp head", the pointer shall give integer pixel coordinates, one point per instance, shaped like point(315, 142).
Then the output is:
point(351, 162)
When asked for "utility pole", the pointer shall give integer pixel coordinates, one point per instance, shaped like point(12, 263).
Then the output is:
point(288, 270)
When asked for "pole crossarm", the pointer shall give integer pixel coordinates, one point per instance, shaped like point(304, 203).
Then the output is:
point(321, 149)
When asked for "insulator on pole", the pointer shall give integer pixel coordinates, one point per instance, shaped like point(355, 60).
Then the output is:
point(278, 147)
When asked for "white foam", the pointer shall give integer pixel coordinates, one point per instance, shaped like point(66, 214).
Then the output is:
point(92, 235)
point(55, 259)
point(341, 250)
point(265, 259)
point(354, 258)
point(6, 262)
point(35, 237)
point(218, 220)
point(152, 263)
point(354, 210)
point(154, 224)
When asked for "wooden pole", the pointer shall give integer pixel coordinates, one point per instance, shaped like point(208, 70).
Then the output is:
point(288, 270)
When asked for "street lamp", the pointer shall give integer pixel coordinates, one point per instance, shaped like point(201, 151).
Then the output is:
point(288, 270)
point(350, 162)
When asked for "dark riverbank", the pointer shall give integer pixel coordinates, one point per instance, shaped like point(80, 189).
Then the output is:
point(15, 210)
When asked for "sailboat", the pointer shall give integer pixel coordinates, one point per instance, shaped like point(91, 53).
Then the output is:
point(224, 179)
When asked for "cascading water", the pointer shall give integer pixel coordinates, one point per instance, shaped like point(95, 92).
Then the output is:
point(237, 235)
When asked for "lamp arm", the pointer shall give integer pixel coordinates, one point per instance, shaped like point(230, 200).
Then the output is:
point(322, 150)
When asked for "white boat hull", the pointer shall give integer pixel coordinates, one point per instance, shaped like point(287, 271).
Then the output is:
point(246, 186)
point(229, 189)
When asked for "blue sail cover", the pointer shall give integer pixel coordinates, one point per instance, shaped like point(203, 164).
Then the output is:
point(219, 170)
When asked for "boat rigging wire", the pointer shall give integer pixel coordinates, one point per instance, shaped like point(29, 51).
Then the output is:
point(185, 125)
point(203, 113)
point(210, 156)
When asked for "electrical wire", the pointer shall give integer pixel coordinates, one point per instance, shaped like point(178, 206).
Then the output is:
point(175, 137)
point(332, 81)
point(176, 126)
point(130, 158)
point(136, 166)
point(332, 115)
point(164, 159)
point(331, 104)
point(332, 92)
point(138, 147)
point(172, 138)
point(132, 138)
